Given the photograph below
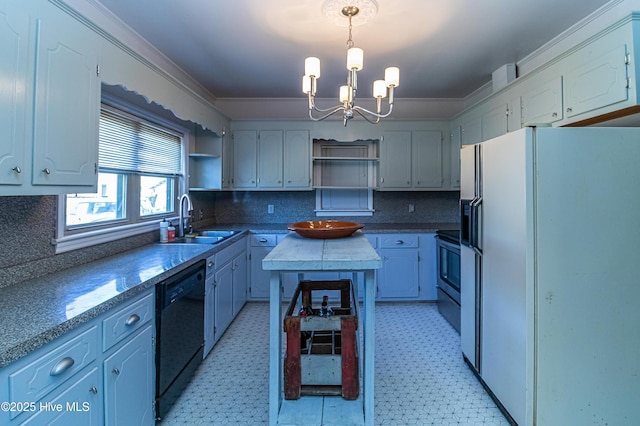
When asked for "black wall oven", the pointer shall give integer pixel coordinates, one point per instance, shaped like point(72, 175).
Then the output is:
point(448, 260)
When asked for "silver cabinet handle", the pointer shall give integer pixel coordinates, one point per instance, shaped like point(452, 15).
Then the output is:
point(569, 110)
point(554, 115)
point(61, 366)
point(17, 169)
point(93, 390)
point(134, 318)
point(116, 371)
point(399, 242)
point(46, 171)
point(262, 240)
point(210, 264)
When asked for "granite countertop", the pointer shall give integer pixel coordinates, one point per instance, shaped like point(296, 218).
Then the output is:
point(37, 311)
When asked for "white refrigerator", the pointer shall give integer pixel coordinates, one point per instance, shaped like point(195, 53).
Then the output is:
point(550, 290)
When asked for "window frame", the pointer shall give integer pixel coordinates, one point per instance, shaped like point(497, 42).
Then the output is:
point(75, 237)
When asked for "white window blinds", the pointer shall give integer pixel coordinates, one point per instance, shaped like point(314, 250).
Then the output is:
point(131, 145)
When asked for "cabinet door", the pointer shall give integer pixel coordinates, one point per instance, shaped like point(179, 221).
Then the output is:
point(227, 162)
point(514, 114)
point(599, 83)
point(245, 151)
point(129, 382)
point(259, 289)
point(494, 122)
point(427, 159)
point(398, 278)
point(543, 104)
point(209, 314)
point(456, 144)
point(239, 282)
point(471, 131)
point(297, 159)
point(67, 105)
point(80, 402)
point(395, 160)
point(223, 311)
point(270, 159)
point(14, 60)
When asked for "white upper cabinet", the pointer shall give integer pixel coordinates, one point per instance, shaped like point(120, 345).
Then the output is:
point(543, 102)
point(599, 82)
point(14, 55)
point(51, 91)
point(427, 159)
point(245, 155)
point(411, 160)
point(67, 104)
point(270, 146)
point(271, 160)
point(297, 159)
point(471, 130)
point(395, 160)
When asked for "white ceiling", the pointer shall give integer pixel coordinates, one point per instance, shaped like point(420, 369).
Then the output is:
point(256, 48)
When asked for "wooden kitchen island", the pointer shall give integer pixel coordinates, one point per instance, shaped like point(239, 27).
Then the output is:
point(296, 254)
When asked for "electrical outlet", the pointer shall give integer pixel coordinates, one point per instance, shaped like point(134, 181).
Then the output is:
point(412, 208)
point(270, 209)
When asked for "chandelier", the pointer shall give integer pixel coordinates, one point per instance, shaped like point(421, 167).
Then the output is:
point(355, 60)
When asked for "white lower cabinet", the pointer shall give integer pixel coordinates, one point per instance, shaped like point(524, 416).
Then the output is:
point(99, 374)
point(225, 291)
point(75, 404)
point(128, 381)
point(399, 276)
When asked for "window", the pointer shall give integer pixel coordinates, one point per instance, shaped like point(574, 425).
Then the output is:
point(140, 170)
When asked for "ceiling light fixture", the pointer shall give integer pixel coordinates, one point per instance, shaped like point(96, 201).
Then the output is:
point(355, 60)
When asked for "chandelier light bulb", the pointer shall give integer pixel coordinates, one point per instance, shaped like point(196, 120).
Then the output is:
point(306, 84)
point(392, 76)
point(344, 94)
point(355, 59)
point(379, 89)
point(312, 67)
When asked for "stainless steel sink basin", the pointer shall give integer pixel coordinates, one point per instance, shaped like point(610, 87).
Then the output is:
point(204, 237)
point(213, 233)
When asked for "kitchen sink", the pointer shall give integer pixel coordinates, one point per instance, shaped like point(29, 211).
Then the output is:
point(204, 237)
point(218, 234)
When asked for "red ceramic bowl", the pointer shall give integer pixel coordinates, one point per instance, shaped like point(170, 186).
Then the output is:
point(325, 229)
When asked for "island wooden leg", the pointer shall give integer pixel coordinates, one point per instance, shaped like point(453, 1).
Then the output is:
point(275, 345)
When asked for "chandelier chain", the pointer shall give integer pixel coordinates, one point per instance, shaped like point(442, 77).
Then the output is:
point(350, 41)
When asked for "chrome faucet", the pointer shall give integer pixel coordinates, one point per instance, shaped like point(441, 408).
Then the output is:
point(182, 226)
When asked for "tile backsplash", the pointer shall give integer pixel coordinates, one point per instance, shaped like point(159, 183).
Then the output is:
point(28, 224)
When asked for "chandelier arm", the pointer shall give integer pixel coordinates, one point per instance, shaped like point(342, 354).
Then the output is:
point(361, 110)
point(312, 106)
point(335, 110)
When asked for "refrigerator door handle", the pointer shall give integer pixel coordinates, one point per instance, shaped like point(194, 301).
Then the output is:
point(476, 225)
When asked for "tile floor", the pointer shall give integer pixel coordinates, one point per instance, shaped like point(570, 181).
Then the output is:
point(421, 378)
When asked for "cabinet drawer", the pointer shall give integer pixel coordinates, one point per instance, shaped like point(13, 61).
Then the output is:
point(263, 240)
point(127, 320)
point(398, 241)
point(32, 382)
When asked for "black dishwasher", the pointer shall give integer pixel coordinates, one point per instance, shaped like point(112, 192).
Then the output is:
point(179, 333)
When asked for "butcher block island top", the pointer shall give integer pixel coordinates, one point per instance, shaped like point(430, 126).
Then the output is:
point(297, 254)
